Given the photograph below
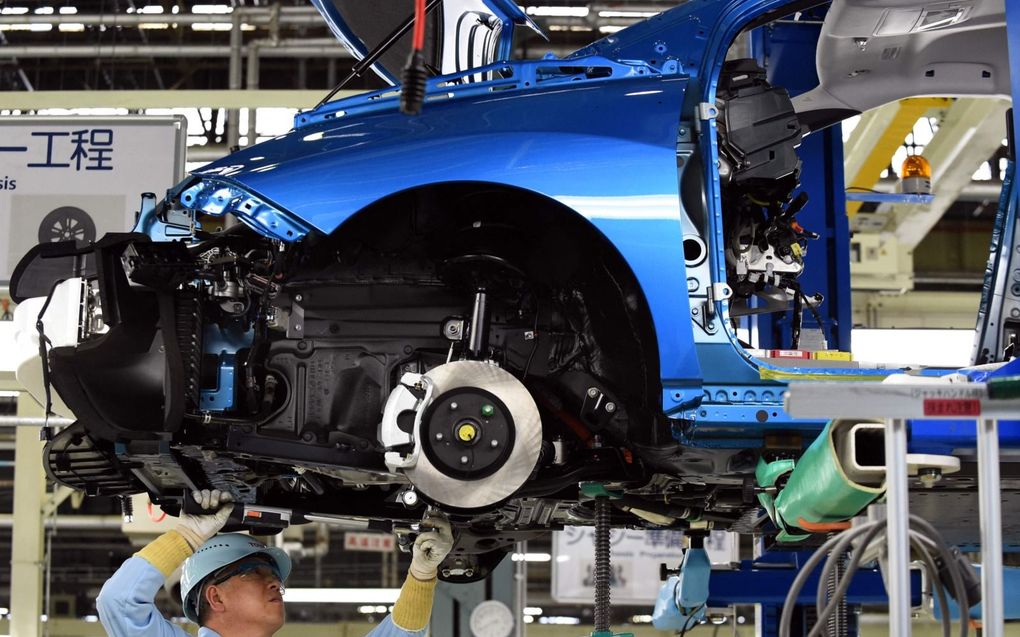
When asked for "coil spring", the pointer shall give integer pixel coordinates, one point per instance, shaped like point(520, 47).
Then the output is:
point(188, 330)
point(602, 564)
point(837, 624)
point(127, 508)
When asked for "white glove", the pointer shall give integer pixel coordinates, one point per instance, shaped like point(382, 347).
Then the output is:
point(196, 529)
point(431, 548)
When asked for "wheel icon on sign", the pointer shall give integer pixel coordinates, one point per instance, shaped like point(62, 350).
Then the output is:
point(67, 223)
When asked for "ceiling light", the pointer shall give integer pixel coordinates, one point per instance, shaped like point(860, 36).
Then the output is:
point(152, 8)
point(532, 610)
point(71, 27)
point(211, 8)
point(559, 12)
point(153, 25)
point(531, 557)
point(68, 10)
point(555, 619)
point(44, 11)
point(627, 14)
point(341, 595)
point(14, 11)
point(610, 28)
point(211, 26)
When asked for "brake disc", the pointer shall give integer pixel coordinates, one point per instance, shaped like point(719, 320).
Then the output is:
point(478, 438)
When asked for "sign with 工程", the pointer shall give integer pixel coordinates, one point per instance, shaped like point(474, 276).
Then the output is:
point(77, 178)
point(634, 564)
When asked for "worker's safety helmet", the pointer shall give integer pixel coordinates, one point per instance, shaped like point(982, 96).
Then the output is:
point(223, 550)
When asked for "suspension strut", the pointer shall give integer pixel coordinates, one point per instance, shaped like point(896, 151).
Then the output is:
point(603, 567)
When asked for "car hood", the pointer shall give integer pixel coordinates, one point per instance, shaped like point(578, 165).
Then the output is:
point(461, 34)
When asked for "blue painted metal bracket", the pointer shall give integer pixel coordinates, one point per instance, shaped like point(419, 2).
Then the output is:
point(768, 584)
point(217, 197)
point(889, 197)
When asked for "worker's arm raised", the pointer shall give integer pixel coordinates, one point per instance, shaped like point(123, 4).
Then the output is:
point(126, 604)
point(413, 608)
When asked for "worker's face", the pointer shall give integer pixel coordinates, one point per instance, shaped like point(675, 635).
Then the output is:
point(253, 596)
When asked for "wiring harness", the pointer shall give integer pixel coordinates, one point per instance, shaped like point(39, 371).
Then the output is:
point(947, 569)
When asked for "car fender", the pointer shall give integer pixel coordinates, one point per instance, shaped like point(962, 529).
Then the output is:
point(606, 151)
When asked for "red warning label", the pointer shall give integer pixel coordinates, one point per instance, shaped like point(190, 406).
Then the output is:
point(952, 407)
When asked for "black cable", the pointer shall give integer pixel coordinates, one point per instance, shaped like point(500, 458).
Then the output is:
point(373, 56)
point(937, 588)
point(691, 621)
point(851, 569)
point(926, 529)
point(954, 574)
point(786, 619)
point(814, 310)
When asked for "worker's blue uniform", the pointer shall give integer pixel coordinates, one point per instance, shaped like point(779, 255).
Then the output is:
point(127, 609)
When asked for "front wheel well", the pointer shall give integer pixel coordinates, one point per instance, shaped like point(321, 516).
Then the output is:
point(558, 251)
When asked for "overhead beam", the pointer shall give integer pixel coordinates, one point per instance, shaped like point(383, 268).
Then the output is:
point(36, 100)
point(971, 131)
point(262, 16)
point(877, 137)
point(312, 48)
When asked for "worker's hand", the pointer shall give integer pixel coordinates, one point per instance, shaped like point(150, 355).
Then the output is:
point(432, 546)
point(197, 528)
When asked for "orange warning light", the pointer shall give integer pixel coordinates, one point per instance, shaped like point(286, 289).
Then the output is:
point(916, 166)
point(916, 176)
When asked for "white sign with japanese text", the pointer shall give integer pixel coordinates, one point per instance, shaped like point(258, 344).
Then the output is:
point(634, 576)
point(635, 559)
point(65, 178)
point(375, 542)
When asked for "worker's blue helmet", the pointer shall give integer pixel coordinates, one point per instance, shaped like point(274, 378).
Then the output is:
point(223, 550)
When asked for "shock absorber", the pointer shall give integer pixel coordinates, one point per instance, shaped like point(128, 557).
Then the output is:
point(602, 564)
point(478, 343)
point(602, 558)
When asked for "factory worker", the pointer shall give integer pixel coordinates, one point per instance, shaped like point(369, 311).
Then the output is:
point(232, 584)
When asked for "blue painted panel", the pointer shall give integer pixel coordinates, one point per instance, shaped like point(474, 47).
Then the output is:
point(949, 436)
point(769, 585)
point(889, 197)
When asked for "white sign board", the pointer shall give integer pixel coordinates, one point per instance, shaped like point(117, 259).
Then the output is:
point(634, 576)
point(374, 542)
point(635, 560)
point(67, 178)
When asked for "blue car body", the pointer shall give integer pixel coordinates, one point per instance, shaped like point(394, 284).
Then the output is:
point(622, 137)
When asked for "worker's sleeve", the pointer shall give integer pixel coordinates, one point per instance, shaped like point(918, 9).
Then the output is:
point(127, 602)
point(411, 611)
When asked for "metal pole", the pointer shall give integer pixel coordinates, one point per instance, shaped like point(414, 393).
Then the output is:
point(234, 79)
point(254, 50)
point(898, 575)
point(520, 597)
point(27, 537)
point(989, 494)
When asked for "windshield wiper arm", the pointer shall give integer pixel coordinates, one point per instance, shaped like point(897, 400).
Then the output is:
point(373, 56)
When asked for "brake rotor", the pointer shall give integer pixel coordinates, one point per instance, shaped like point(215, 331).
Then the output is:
point(478, 438)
